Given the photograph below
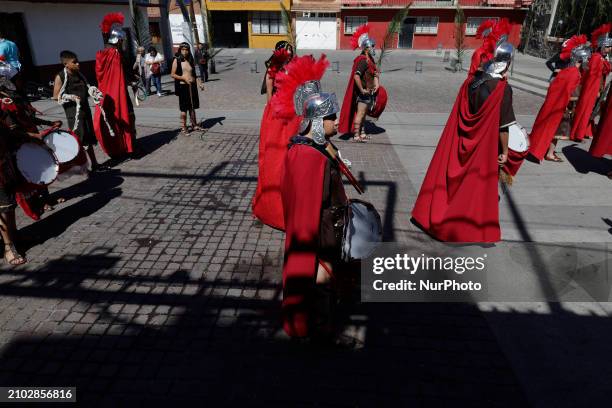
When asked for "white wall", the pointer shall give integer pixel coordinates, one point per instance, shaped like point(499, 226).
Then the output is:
point(176, 26)
point(55, 27)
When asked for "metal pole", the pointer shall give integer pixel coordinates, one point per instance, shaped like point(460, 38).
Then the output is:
point(194, 25)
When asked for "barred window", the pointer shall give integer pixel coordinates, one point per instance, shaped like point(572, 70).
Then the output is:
point(426, 25)
point(474, 22)
point(268, 22)
point(352, 23)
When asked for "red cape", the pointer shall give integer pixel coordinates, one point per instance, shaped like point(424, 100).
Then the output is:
point(274, 137)
point(116, 103)
point(551, 113)
point(349, 104)
point(302, 193)
point(591, 82)
point(458, 201)
point(602, 142)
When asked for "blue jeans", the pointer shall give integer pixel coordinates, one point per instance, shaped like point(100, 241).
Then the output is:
point(154, 80)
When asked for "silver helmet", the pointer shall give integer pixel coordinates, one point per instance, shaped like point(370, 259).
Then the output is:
point(581, 54)
point(314, 108)
point(116, 34)
point(303, 92)
point(365, 41)
point(502, 57)
point(604, 40)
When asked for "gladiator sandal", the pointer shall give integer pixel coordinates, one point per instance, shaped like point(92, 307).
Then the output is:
point(17, 258)
point(357, 138)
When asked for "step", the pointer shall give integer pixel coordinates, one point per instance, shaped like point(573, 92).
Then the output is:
point(527, 88)
point(536, 84)
point(538, 77)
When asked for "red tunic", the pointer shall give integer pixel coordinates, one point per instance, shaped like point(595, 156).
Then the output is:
point(591, 85)
point(602, 142)
point(302, 193)
point(458, 200)
point(274, 135)
point(116, 103)
point(551, 112)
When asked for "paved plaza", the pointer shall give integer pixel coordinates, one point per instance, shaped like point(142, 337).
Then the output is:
point(152, 285)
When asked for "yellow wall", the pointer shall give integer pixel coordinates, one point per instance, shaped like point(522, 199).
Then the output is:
point(246, 5)
point(255, 40)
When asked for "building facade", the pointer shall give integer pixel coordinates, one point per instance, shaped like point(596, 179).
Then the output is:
point(42, 30)
point(430, 24)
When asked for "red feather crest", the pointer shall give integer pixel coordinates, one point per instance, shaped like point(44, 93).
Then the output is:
point(279, 58)
point(298, 71)
point(486, 25)
point(606, 28)
point(569, 45)
point(109, 20)
point(502, 27)
point(364, 29)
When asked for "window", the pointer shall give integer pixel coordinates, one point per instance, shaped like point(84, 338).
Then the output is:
point(268, 22)
point(352, 23)
point(474, 22)
point(313, 15)
point(426, 25)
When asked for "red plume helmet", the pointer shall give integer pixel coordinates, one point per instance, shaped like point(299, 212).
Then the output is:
point(279, 58)
point(569, 45)
point(604, 29)
point(502, 27)
point(364, 29)
point(298, 71)
point(109, 20)
point(485, 28)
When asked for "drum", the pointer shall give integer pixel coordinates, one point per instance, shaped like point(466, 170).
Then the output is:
point(37, 163)
point(67, 149)
point(518, 140)
point(63, 143)
point(380, 102)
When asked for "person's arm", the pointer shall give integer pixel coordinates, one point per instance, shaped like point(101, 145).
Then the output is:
point(504, 135)
point(173, 71)
point(57, 85)
point(550, 63)
point(376, 84)
point(269, 87)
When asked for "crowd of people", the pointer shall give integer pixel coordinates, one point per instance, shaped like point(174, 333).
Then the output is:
point(32, 149)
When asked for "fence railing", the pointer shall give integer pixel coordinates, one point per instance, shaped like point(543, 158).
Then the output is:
point(436, 3)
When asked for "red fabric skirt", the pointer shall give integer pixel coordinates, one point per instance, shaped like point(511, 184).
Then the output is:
point(274, 137)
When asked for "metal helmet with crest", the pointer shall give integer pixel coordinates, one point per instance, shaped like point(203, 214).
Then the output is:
point(299, 93)
point(602, 37)
point(111, 27)
point(361, 39)
point(576, 50)
point(498, 46)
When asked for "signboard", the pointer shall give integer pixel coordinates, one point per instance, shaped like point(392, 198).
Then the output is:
point(237, 27)
point(178, 32)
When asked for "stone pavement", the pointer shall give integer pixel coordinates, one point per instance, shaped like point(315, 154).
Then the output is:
point(152, 284)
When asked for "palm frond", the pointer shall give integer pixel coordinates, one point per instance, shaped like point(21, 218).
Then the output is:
point(288, 23)
point(394, 27)
point(140, 22)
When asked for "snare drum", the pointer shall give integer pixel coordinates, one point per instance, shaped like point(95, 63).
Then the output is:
point(37, 163)
point(518, 139)
point(67, 149)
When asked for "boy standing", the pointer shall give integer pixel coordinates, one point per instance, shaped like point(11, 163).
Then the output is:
point(72, 91)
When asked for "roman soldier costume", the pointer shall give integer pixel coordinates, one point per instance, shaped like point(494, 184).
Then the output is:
point(274, 136)
point(490, 31)
point(365, 67)
point(115, 131)
point(550, 120)
point(312, 194)
point(458, 200)
point(602, 140)
point(592, 85)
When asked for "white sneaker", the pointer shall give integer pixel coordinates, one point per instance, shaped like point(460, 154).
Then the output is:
point(159, 94)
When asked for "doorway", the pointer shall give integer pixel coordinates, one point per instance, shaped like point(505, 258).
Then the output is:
point(230, 29)
point(407, 33)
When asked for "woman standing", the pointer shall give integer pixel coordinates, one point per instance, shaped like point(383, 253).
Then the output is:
point(185, 80)
point(153, 73)
point(274, 136)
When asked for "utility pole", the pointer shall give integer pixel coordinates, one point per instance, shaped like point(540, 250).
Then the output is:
point(553, 14)
point(204, 14)
point(194, 25)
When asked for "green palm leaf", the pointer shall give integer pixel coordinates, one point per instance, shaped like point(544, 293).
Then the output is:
point(393, 28)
